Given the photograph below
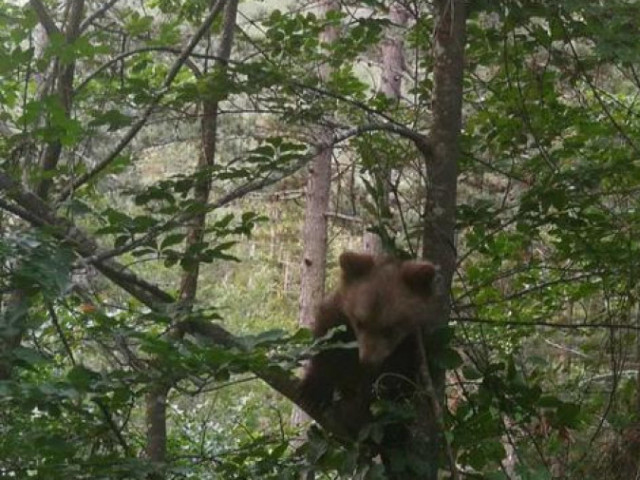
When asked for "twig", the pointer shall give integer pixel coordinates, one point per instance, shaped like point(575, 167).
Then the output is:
point(535, 323)
point(136, 127)
point(420, 140)
point(97, 14)
point(63, 338)
point(435, 405)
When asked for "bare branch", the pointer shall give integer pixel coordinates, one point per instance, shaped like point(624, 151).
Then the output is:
point(34, 210)
point(268, 180)
point(280, 380)
point(541, 323)
point(40, 215)
point(97, 14)
point(45, 19)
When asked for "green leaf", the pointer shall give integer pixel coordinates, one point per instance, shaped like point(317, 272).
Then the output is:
point(113, 119)
point(171, 240)
point(449, 359)
point(82, 378)
point(28, 357)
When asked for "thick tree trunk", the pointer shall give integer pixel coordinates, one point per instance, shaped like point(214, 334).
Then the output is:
point(156, 401)
point(314, 230)
point(442, 170)
point(439, 222)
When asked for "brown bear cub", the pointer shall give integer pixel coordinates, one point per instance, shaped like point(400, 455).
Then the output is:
point(382, 302)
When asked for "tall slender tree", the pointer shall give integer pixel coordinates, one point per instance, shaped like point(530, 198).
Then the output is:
point(393, 66)
point(59, 86)
point(156, 400)
point(317, 193)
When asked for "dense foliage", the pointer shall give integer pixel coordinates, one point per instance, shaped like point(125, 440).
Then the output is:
point(544, 351)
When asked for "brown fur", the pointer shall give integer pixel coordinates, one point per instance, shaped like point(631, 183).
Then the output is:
point(382, 303)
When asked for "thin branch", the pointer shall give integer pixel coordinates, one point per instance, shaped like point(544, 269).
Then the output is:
point(130, 53)
point(438, 411)
point(34, 210)
point(103, 408)
point(419, 140)
point(540, 323)
point(112, 425)
point(280, 380)
point(97, 14)
point(596, 92)
point(564, 348)
point(136, 127)
point(44, 18)
point(526, 291)
point(63, 338)
point(155, 298)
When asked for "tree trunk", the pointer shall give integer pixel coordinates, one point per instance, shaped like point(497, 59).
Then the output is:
point(393, 65)
point(156, 417)
point(157, 398)
point(14, 310)
point(64, 75)
point(439, 221)
point(314, 230)
point(638, 359)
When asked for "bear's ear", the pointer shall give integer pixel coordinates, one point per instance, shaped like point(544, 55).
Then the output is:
point(418, 275)
point(355, 265)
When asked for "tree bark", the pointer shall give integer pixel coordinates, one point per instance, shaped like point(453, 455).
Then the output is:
point(393, 63)
point(638, 359)
point(14, 309)
point(64, 76)
point(156, 418)
point(156, 401)
point(440, 209)
point(314, 230)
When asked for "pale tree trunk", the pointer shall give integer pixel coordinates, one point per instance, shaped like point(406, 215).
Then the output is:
point(439, 221)
point(156, 400)
point(314, 230)
point(393, 66)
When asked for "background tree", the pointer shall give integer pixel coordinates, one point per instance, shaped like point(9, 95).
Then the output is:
point(540, 250)
point(316, 216)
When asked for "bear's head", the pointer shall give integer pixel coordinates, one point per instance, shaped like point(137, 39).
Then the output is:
point(384, 300)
